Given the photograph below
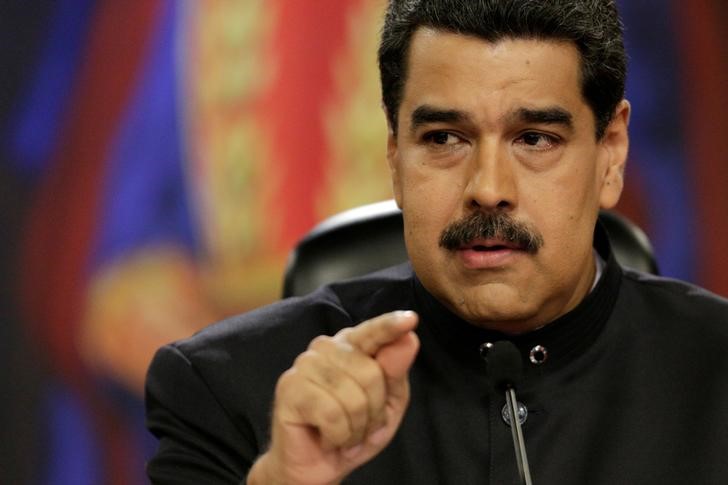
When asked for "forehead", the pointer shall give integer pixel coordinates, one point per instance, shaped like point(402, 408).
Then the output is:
point(469, 73)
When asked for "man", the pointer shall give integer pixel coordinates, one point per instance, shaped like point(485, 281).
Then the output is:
point(508, 133)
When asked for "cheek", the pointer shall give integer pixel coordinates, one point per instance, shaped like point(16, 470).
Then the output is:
point(430, 202)
point(568, 233)
point(564, 208)
point(424, 220)
point(431, 194)
point(575, 189)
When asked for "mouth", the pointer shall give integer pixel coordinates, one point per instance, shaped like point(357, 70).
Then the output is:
point(482, 254)
point(490, 245)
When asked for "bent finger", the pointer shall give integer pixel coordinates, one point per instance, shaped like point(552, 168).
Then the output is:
point(372, 335)
point(320, 371)
point(363, 370)
point(304, 403)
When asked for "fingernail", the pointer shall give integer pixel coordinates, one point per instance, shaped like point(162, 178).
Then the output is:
point(379, 436)
point(404, 314)
point(353, 451)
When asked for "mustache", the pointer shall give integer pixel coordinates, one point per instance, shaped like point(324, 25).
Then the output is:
point(491, 225)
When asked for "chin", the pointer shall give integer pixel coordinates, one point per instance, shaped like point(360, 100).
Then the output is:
point(505, 322)
point(501, 309)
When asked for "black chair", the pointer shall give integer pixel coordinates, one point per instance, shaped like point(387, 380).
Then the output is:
point(370, 237)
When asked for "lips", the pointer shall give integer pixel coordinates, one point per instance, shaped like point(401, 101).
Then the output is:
point(482, 254)
point(482, 245)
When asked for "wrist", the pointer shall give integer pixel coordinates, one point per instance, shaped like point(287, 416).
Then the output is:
point(265, 472)
point(261, 473)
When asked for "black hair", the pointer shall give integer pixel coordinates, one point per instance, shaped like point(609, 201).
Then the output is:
point(593, 26)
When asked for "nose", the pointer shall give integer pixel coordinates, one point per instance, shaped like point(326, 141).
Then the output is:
point(491, 184)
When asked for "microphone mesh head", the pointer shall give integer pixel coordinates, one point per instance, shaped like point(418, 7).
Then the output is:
point(504, 365)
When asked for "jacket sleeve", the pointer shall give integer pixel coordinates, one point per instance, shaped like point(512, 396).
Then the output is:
point(198, 441)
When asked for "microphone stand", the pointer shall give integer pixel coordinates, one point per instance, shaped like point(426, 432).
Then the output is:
point(505, 368)
point(518, 443)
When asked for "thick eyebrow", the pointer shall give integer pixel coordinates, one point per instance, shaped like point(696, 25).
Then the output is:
point(426, 114)
point(553, 115)
point(549, 116)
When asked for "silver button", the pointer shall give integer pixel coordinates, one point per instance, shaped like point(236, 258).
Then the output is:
point(484, 349)
point(538, 355)
point(522, 413)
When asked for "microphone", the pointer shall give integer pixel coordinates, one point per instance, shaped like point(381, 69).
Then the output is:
point(505, 368)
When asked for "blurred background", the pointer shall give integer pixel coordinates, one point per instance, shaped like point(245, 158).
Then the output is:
point(159, 158)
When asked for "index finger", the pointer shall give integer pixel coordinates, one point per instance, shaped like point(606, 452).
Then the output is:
point(372, 335)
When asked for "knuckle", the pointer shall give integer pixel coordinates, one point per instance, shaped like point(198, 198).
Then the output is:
point(367, 344)
point(286, 379)
point(359, 410)
point(292, 381)
point(291, 389)
point(331, 414)
point(305, 360)
point(355, 399)
point(322, 341)
point(372, 377)
point(344, 333)
point(330, 377)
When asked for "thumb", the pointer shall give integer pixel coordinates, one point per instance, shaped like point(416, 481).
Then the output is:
point(395, 360)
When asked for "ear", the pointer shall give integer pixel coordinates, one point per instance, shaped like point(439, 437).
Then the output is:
point(393, 161)
point(614, 147)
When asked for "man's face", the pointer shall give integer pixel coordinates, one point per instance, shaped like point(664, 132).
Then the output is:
point(501, 130)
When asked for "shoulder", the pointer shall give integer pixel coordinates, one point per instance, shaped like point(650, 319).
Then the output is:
point(675, 292)
point(323, 312)
point(666, 301)
point(266, 341)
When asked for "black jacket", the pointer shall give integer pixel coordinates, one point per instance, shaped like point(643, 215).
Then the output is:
point(634, 389)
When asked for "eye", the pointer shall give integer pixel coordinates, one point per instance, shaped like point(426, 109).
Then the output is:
point(537, 141)
point(441, 138)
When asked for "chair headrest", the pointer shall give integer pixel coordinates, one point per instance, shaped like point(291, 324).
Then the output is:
point(370, 237)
